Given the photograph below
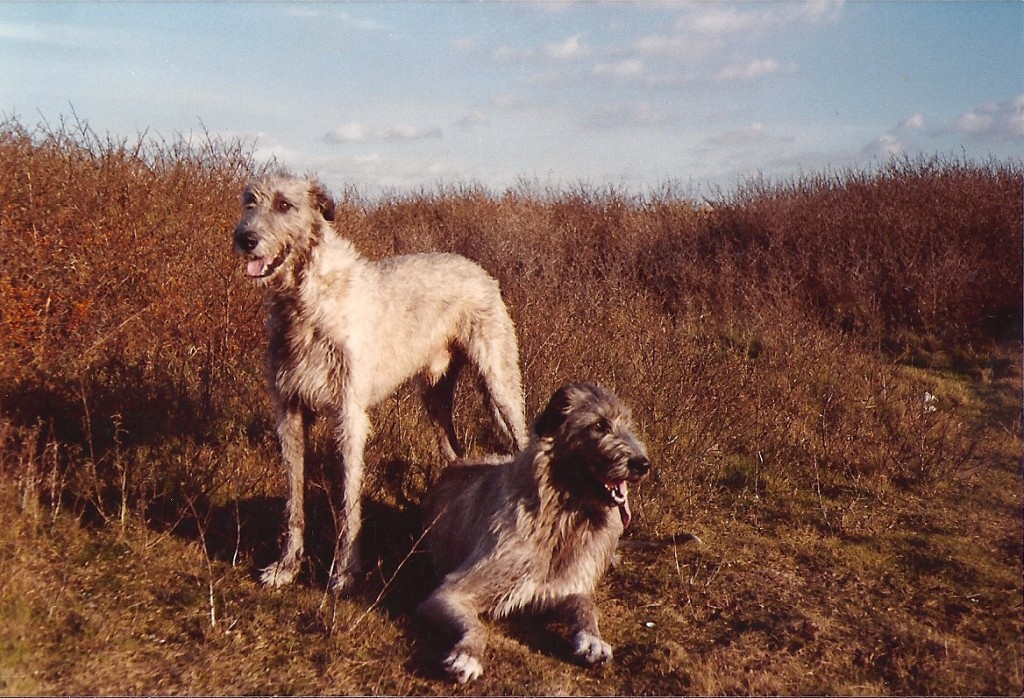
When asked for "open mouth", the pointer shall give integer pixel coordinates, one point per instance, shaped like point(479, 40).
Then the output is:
point(260, 268)
point(618, 495)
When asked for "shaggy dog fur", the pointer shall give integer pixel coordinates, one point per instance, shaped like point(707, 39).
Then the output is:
point(537, 531)
point(345, 332)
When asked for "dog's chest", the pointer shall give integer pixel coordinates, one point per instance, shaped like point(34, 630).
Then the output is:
point(579, 559)
point(575, 565)
point(304, 362)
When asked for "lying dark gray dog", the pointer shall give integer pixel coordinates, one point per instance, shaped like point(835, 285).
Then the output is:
point(534, 532)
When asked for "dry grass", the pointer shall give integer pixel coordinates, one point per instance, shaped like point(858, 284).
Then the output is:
point(776, 345)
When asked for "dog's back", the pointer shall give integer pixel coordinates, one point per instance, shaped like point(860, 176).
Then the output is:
point(458, 508)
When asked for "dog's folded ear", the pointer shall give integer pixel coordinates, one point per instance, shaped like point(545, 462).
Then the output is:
point(321, 201)
point(550, 420)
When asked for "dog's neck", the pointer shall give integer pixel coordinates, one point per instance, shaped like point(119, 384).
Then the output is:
point(564, 500)
point(309, 259)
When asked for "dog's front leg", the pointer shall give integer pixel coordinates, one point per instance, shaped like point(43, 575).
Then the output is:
point(455, 614)
point(580, 612)
point(353, 431)
point(291, 432)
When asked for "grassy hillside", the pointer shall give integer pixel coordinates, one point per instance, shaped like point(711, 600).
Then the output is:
point(826, 372)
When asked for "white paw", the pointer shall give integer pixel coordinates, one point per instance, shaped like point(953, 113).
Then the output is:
point(590, 649)
point(278, 574)
point(463, 667)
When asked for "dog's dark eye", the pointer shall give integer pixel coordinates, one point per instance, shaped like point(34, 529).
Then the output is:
point(249, 200)
point(282, 205)
point(602, 426)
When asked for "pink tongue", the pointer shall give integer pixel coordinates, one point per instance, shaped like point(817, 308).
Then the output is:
point(255, 267)
point(624, 511)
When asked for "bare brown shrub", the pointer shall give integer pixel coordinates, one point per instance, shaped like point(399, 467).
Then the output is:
point(926, 247)
point(123, 321)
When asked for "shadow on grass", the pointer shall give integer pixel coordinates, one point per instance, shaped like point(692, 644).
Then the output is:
point(246, 529)
point(252, 529)
point(398, 574)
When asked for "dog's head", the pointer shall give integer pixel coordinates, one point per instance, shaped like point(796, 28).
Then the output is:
point(281, 216)
point(594, 452)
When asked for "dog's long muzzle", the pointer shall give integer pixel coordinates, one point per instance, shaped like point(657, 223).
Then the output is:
point(639, 466)
point(245, 240)
point(257, 267)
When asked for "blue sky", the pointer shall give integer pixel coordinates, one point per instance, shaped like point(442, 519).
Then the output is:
point(404, 96)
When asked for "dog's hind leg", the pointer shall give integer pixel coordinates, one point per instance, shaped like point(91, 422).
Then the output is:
point(580, 612)
point(455, 614)
point(439, 398)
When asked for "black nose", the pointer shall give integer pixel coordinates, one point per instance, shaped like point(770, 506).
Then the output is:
point(639, 465)
point(246, 240)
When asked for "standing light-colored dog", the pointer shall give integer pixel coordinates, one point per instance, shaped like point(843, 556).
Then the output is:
point(537, 531)
point(345, 332)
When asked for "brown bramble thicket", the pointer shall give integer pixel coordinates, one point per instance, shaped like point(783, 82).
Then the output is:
point(761, 338)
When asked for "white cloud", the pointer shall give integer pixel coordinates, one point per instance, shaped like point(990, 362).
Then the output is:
point(362, 23)
point(550, 77)
point(656, 44)
point(263, 147)
point(566, 50)
point(994, 121)
point(632, 116)
point(22, 32)
point(754, 133)
point(510, 54)
point(822, 11)
point(725, 20)
point(975, 123)
point(510, 102)
point(708, 27)
point(472, 120)
point(353, 132)
point(303, 11)
point(752, 70)
point(356, 132)
point(904, 137)
point(719, 20)
point(51, 34)
point(405, 132)
point(628, 68)
point(885, 146)
point(379, 175)
point(678, 45)
point(914, 122)
point(569, 49)
point(465, 43)
point(990, 123)
point(324, 12)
